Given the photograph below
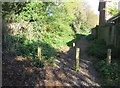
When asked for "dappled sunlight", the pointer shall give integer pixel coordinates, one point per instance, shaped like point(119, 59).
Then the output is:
point(22, 70)
point(62, 74)
point(19, 58)
point(84, 83)
point(29, 70)
point(66, 62)
point(40, 42)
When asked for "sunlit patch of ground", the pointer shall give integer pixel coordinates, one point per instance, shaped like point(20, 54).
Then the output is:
point(19, 58)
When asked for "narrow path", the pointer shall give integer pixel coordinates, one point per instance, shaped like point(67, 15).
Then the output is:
point(64, 73)
point(87, 63)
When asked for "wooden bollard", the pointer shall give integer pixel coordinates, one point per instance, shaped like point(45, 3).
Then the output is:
point(73, 44)
point(109, 56)
point(77, 59)
point(39, 53)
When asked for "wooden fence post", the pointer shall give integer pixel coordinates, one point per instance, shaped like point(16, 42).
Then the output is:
point(39, 53)
point(77, 59)
point(109, 56)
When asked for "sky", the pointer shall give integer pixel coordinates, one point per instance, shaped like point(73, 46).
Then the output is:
point(94, 5)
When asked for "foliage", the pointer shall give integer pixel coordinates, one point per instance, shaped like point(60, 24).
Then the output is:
point(77, 37)
point(33, 12)
point(10, 9)
point(28, 49)
point(109, 72)
point(91, 21)
point(113, 9)
point(39, 64)
point(100, 41)
point(97, 48)
point(83, 18)
point(90, 37)
point(41, 24)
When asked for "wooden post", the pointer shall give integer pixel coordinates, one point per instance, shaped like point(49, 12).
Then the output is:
point(77, 59)
point(109, 56)
point(73, 44)
point(39, 53)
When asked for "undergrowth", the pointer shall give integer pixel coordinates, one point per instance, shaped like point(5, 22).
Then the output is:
point(98, 49)
point(109, 73)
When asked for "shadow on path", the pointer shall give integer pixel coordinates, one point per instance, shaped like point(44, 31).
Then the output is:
point(23, 73)
point(65, 73)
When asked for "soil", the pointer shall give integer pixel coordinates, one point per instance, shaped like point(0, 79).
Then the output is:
point(18, 71)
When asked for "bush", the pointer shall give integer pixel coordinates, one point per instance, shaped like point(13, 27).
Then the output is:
point(39, 64)
point(110, 72)
point(90, 37)
point(100, 42)
point(78, 36)
point(29, 49)
point(98, 49)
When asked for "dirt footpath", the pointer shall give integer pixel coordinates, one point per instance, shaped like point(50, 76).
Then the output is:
point(18, 71)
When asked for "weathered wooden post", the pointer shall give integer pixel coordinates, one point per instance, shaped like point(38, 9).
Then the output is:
point(109, 56)
point(39, 53)
point(77, 59)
